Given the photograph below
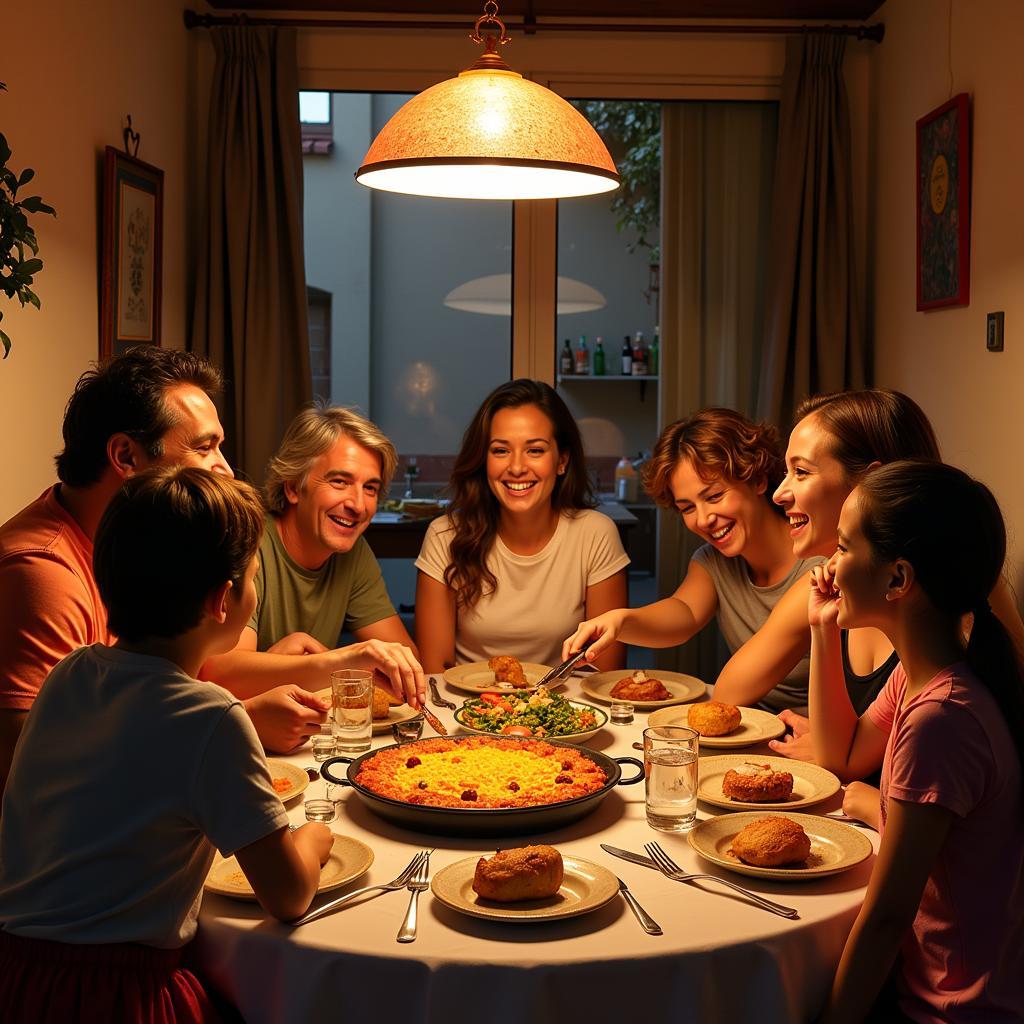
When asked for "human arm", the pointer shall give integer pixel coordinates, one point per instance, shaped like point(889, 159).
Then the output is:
point(297, 643)
point(914, 835)
point(285, 717)
point(247, 672)
point(435, 622)
point(770, 654)
point(11, 723)
point(284, 868)
point(609, 593)
point(664, 623)
point(849, 746)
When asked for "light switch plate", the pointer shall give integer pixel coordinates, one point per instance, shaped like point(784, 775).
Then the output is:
point(994, 332)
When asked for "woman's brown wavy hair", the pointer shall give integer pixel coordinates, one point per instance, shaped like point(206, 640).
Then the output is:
point(474, 510)
point(718, 442)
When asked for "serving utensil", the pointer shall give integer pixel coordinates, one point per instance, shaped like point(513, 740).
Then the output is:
point(435, 722)
point(670, 869)
point(398, 882)
point(647, 922)
point(419, 881)
point(435, 694)
point(567, 666)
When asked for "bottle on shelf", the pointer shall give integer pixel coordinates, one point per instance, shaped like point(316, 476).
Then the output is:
point(566, 360)
point(639, 356)
point(625, 480)
point(627, 357)
point(583, 356)
point(654, 355)
point(599, 358)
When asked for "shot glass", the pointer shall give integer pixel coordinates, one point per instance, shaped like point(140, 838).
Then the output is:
point(322, 743)
point(352, 701)
point(408, 731)
point(621, 713)
point(320, 810)
point(670, 771)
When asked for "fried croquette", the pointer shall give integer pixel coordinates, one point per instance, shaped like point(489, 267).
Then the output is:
point(507, 669)
point(640, 686)
point(526, 873)
point(757, 783)
point(382, 703)
point(771, 843)
point(714, 718)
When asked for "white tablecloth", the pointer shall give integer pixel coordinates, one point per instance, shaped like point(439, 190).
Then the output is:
point(720, 959)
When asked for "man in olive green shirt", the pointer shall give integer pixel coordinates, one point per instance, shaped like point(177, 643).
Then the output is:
point(317, 573)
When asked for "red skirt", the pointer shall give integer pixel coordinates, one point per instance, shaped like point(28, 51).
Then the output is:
point(43, 982)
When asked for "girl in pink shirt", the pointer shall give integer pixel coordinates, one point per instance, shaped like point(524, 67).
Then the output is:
point(921, 545)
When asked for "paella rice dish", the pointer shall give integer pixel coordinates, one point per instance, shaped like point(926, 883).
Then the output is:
point(480, 772)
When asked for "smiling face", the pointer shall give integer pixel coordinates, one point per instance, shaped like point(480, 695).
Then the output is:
point(523, 461)
point(196, 436)
point(861, 578)
point(813, 491)
point(720, 511)
point(335, 504)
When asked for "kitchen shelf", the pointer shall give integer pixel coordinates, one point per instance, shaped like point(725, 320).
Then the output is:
point(562, 378)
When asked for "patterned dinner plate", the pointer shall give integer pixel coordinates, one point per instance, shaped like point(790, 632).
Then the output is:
point(586, 886)
point(282, 772)
point(811, 784)
point(682, 687)
point(835, 847)
point(755, 726)
point(477, 677)
point(348, 860)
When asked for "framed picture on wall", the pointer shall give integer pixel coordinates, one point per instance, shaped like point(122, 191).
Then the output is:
point(130, 277)
point(944, 206)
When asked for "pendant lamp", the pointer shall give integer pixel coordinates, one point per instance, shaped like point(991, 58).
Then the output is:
point(489, 134)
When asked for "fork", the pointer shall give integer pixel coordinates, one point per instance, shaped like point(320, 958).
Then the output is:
point(415, 885)
point(398, 882)
point(670, 869)
point(439, 701)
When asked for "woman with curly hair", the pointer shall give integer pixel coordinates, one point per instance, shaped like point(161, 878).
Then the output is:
point(522, 555)
point(718, 471)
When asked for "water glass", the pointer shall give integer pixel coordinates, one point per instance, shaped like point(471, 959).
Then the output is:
point(320, 810)
point(352, 700)
point(408, 731)
point(322, 743)
point(670, 771)
point(621, 713)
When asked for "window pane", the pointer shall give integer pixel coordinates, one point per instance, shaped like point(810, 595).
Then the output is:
point(314, 107)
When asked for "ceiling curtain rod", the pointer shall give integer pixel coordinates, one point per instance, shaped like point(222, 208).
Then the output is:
point(873, 33)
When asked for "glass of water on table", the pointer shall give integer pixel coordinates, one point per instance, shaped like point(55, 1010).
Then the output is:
point(352, 708)
point(670, 773)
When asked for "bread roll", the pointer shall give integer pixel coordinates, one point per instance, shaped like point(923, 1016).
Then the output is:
point(772, 842)
point(527, 873)
point(757, 783)
point(714, 718)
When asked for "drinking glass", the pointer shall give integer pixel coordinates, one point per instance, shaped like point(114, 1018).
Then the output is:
point(409, 731)
point(352, 700)
point(322, 743)
point(670, 771)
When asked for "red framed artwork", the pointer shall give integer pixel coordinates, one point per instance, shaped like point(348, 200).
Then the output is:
point(130, 277)
point(944, 206)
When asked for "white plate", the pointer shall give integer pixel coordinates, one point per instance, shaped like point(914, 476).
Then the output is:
point(682, 687)
point(477, 677)
point(348, 860)
point(585, 887)
point(755, 726)
point(811, 784)
point(835, 847)
point(572, 737)
point(296, 776)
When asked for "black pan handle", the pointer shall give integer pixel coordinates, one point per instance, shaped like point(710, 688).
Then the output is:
point(624, 760)
point(334, 778)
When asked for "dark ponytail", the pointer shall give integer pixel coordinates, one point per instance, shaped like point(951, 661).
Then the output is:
point(949, 528)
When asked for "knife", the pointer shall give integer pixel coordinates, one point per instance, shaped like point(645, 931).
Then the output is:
point(633, 858)
point(435, 722)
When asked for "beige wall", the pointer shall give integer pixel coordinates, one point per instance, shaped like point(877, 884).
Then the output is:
point(73, 73)
point(973, 397)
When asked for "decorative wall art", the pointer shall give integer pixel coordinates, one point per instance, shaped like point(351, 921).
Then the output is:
point(944, 206)
point(133, 194)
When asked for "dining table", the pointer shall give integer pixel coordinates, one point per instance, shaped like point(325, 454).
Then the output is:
point(719, 957)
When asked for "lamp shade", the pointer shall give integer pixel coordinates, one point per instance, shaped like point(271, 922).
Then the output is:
point(492, 295)
point(489, 134)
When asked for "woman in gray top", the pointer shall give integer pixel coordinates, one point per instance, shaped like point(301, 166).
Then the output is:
point(718, 470)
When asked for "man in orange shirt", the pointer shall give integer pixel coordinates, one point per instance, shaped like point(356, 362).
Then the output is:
point(149, 407)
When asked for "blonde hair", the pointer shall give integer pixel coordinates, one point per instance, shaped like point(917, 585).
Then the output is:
point(313, 431)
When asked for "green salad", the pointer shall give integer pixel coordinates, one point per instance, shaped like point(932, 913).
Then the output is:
point(524, 713)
